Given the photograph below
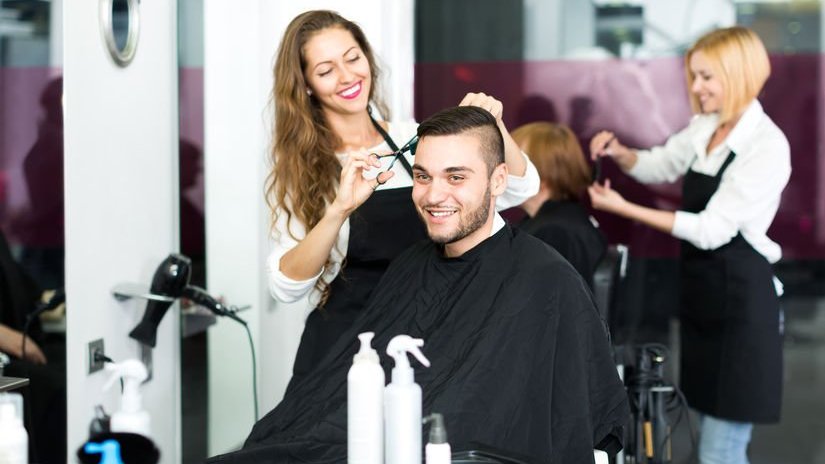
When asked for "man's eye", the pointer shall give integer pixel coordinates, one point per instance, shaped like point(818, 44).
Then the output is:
point(421, 177)
point(456, 178)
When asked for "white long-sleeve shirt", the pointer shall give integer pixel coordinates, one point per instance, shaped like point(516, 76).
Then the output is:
point(287, 290)
point(750, 189)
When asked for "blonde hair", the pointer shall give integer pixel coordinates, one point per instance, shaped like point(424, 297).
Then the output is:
point(558, 157)
point(739, 59)
point(304, 175)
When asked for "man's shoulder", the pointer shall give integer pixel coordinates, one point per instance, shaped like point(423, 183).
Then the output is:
point(543, 272)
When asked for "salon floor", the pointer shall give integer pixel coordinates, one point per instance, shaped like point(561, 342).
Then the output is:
point(800, 437)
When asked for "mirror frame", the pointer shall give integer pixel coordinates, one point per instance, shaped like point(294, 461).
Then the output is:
point(121, 57)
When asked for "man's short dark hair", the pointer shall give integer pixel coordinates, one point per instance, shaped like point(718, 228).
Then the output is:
point(461, 119)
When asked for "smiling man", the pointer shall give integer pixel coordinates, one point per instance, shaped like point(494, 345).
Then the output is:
point(459, 170)
point(520, 361)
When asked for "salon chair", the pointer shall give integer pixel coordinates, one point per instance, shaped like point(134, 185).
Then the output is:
point(607, 278)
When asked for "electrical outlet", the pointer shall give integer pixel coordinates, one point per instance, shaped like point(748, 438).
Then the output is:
point(95, 362)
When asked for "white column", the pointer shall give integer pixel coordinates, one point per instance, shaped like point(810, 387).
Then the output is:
point(121, 209)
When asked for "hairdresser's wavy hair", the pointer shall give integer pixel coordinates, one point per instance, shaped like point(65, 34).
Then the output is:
point(305, 170)
point(558, 157)
point(739, 59)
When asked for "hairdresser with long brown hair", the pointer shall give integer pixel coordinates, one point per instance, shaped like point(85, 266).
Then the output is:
point(341, 211)
point(735, 162)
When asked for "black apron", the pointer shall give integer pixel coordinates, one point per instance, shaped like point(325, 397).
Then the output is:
point(731, 353)
point(379, 230)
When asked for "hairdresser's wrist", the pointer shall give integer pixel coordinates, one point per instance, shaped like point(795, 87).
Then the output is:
point(625, 157)
point(337, 213)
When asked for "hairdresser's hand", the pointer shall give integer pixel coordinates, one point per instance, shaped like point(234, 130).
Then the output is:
point(604, 198)
point(11, 343)
point(516, 164)
point(605, 143)
point(355, 187)
point(486, 102)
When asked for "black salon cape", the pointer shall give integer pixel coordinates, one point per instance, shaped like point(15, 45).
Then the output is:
point(520, 359)
point(566, 226)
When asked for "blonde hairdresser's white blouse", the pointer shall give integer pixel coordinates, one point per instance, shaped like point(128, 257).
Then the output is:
point(750, 189)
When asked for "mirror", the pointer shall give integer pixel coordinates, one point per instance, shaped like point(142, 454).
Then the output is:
point(120, 25)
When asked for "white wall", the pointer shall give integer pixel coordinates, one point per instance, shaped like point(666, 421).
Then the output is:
point(234, 147)
point(240, 43)
point(121, 169)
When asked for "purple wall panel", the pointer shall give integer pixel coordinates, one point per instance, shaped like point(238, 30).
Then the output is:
point(27, 133)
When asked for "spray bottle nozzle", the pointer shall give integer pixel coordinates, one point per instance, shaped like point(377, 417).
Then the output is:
point(438, 433)
point(398, 348)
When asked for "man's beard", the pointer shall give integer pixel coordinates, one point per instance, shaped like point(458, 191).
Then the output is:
point(469, 224)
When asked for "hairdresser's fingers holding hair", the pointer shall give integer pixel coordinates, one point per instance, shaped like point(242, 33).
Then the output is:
point(482, 100)
point(604, 198)
point(600, 142)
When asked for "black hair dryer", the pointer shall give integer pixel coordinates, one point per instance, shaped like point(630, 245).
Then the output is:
point(170, 279)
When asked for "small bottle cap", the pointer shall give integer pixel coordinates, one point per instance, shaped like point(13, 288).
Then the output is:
point(367, 353)
point(438, 433)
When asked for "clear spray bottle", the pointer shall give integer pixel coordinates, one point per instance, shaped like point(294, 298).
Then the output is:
point(402, 403)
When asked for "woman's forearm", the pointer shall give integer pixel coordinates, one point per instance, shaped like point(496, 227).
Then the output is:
point(627, 159)
point(309, 256)
point(656, 218)
point(516, 166)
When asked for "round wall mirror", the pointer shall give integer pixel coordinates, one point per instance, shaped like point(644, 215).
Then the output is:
point(120, 25)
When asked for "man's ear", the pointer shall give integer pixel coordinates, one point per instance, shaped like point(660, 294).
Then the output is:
point(498, 181)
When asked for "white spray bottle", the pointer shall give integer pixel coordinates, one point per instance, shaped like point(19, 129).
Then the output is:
point(131, 417)
point(402, 403)
point(365, 406)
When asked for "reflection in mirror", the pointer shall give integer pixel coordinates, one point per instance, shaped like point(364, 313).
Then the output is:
point(120, 26)
point(120, 23)
point(31, 221)
point(194, 347)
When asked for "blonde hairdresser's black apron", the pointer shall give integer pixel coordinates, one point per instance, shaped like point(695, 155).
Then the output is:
point(731, 353)
point(380, 229)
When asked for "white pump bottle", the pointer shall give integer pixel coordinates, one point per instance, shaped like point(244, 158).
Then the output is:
point(14, 441)
point(131, 417)
point(402, 403)
point(365, 406)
